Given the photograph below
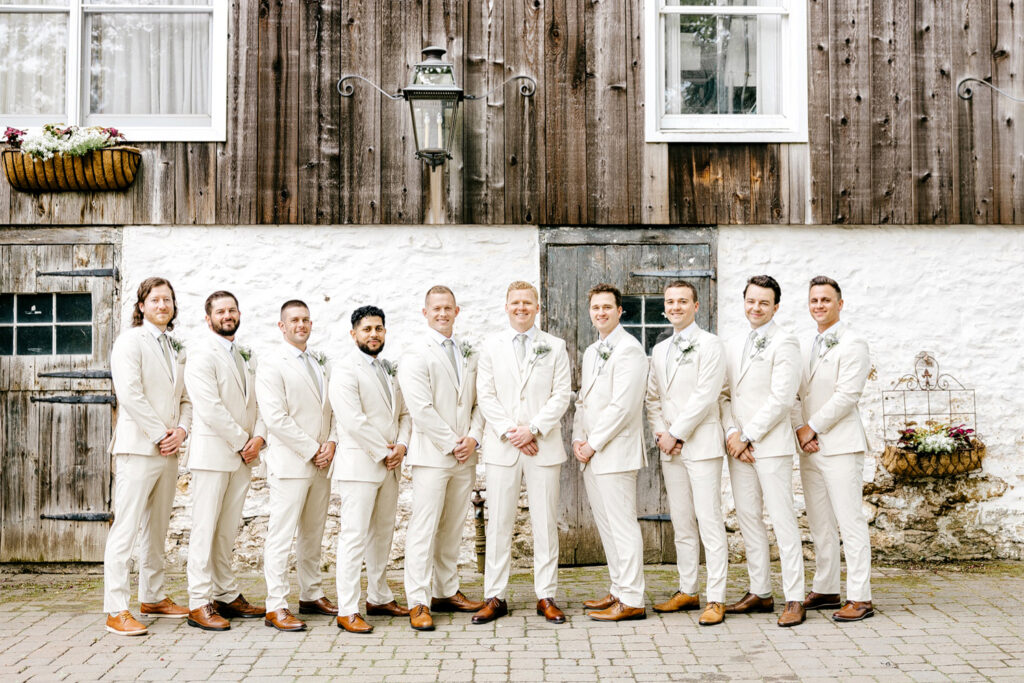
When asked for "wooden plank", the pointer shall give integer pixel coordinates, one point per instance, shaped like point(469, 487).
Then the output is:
point(607, 115)
point(1008, 118)
point(236, 156)
point(5, 208)
point(483, 128)
point(636, 153)
point(277, 128)
point(682, 192)
point(360, 115)
point(736, 190)
point(442, 23)
point(819, 113)
point(655, 184)
point(195, 182)
point(850, 73)
point(319, 162)
point(69, 235)
point(525, 146)
point(565, 107)
point(765, 204)
point(971, 22)
point(932, 115)
point(154, 196)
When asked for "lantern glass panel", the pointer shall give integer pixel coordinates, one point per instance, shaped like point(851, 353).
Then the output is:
point(434, 122)
point(434, 74)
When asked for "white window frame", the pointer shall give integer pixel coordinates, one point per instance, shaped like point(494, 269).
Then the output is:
point(134, 128)
point(789, 126)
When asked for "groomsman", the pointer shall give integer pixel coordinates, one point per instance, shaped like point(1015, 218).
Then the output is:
point(227, 437)
point(832, 442)
point(608, 433)
point(763, 375)
point(523, 386)
point(687, 372)
point(154, 415)
point(438, 380)
point(373, 436)
point(292, 388)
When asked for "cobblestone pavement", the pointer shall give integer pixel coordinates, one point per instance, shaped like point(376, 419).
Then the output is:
point(945, 623)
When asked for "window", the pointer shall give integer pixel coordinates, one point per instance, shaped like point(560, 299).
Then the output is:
point(726, 70)
point(153, 69)
point(45, 324)
point(644, 318)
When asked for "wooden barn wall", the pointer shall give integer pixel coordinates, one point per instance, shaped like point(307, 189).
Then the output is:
point(890, 142)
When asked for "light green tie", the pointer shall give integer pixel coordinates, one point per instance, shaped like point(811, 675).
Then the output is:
point(520, 348)
point(165, 346)
point(312, 373)
point(815, 350)
point(239, 364)
point(449, 347)
point(382, 376)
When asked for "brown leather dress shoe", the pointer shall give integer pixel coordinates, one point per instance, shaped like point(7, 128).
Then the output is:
point(456, 603)
point(821, 600)
point(492, 609)
point(164, 608)
point(206, 618)
point(239, 607)
point(751, 603)
point(124, 624)
point(793, 614)
point(283, 620)
point(680, 602)
point(354, 623)
point(854, 611)
point(419, 618)
point(714, 613)
point(547, 608)
point(619, 612)
point(390, 609)
point(601, 603)
point(318, 606)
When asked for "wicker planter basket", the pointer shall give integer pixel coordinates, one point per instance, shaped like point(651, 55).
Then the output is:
point(112, 168)
point(903, 463)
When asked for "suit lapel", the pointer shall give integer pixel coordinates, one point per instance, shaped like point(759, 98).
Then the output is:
point(150, 342)
point(592, 350)
point(742, 363)
point(300, 367)
point(815, 363)
point(435, 348)
point(229, 364)
point(371, 376)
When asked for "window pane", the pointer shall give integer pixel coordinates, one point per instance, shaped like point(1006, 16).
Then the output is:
point(6, 341)
point(74, 308)
point(33, 49)
point(35, 308)
point(722, 64)
point(35, 341)
point(637, 333)
point(631, 310)
point(73, 339)
point(152, 3)
point(656, 335)
point(149, 64)
point(654, 310)
point(6, 308)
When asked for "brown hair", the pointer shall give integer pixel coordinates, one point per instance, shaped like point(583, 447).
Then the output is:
point(439, 289)
point(219, 294)
point(522, 284)
point(826, 280)
point(296, 303)
point(605, 288)
point(766, 281)
point(145, 287)
point(683, 283)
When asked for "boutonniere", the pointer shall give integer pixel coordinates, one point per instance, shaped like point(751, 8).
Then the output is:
point(319, 357)
point(759, 345)
point(685, 350)
point(244, 351)
point(466, 349)
point(604, 351)
point(390, 367)
point(827, 342)
point(176, 344)
point(540, 350)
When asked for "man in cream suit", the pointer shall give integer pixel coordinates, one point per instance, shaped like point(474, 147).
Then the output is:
point(832, 441)
point(292, 388)
point(227, 437)
point(154, 415)
point(608, 442)
point(763, 375)
point(373, 436)
point(523, 386)
point(687, 372)
point(438, 380)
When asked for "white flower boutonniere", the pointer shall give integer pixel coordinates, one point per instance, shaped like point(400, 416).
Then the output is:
point(759, 345)
point(466, 349)
point(319, 357)
point(604, 351)
point(685, 349)
point(827, 342)
point(390, 367)
point(244, 351)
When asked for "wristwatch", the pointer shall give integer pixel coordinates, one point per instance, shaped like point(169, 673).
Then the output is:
point(534, 430)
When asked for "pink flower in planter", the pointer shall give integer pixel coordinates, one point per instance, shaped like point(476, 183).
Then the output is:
point(13, 136)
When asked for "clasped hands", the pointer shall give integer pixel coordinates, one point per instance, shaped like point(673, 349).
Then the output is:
point(171, 443)
point(324, 455)
point(583, 451)
point(808, 439)
point(251, 450)
point(394, 457)
point(522, 438)
point(464, 448)
point(740, 449)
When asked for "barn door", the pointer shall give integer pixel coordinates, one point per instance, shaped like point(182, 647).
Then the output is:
point(640, 263)
point(56, 330)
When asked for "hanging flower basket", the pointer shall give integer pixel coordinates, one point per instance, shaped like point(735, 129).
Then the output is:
point(908, 464)
point(62, 159)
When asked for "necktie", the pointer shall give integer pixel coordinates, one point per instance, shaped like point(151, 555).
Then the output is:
point(240, 366)
point(449, 347)
point(750, 343)
point(815, 350)
point(165, 346)
point(312, 372)
point(680, 344)
point(520, 344)
point(383, 379)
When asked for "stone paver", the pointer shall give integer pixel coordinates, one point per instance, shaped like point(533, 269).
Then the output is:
point(933, 624)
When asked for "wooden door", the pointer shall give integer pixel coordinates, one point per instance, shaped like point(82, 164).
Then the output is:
point(57, 324)
point(640, 263)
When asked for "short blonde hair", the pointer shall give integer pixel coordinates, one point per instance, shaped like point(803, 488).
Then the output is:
point(521, 284)
point(439, 289)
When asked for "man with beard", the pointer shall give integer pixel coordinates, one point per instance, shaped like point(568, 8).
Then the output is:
point(226, 441)
point(373, 433)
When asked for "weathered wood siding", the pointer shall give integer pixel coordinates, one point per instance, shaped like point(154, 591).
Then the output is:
point(890, 142)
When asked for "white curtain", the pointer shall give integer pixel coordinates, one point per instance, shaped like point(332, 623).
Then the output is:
point(33, 52)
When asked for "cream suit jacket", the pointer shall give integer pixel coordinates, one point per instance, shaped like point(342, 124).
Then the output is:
point(443, 409)
point(829, 393)
point(298, 420)
point(758, 395)
point(682, 398)
point(366, 421)
point(225, 415)
point(537, 395)
point(150, 398)
point(610, 405)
